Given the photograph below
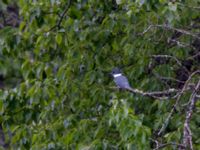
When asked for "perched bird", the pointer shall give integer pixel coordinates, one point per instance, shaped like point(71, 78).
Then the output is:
point(120, 80)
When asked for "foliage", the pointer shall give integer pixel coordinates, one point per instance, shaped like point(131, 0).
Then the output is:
point(57, 91)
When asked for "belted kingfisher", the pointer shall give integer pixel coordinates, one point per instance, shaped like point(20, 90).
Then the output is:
point(120, 80)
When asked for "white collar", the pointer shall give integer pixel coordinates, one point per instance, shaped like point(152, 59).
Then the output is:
point(117, 75)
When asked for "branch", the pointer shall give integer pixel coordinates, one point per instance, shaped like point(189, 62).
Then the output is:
point(166, 27)
point(64, 13)
point(178, 30)
point(191, 86)
point(160, 145)
point(169, 144)
point(177, 102)
point(194, 56)
point(3, 143)
point(168, 78)
point(181, 44)
point(162, 95)
point(187, 134)
point(193, 7)
point(62, 16)
point(171, 57)
point(4, 18)
point(146, 30)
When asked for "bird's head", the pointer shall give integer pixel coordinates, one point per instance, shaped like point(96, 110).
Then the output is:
point(116, 72)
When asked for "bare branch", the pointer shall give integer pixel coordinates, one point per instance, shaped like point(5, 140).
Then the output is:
point(194, 56)
point(159, 95)
point(181, 44)
point(168, 56)
point(156, 142)
point(166, 27)
point(160, 145)
point(3, 142)
point(187, 134)
point(146, 30)
point(192, 7)
point(162, 95)
point(172, 57)
point(178, 30)
point(169, 78)
point(169, 144)
point(177, 102)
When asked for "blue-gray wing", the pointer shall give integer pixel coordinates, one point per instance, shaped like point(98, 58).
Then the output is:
point(122, 82)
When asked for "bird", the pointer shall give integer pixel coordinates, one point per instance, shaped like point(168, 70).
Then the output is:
point(120, 80)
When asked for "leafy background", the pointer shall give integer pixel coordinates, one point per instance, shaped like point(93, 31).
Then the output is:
point(55, 60)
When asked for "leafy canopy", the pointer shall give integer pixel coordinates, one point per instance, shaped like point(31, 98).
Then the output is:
point(58, 94)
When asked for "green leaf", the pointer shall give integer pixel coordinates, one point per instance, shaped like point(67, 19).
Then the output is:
point(59, 38)
point(1, 107)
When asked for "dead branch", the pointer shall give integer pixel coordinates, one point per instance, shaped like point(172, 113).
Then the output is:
point(161, 95)
point(168, 78)
point(166, 27)
point(161, 145)
point(191, 7)
point(178, 30)
point(177, 102)
point(187, 134)
point(181, 44)
point(171, 57)
point(194, 56)
point(169, 144)
point(191, 86)
point(3, 143)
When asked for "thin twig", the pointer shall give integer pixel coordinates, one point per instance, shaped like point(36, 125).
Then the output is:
point(181, 44)
point(193, 7)
point(62, 16)
point(190, 85)
point(194, 56)
point(146, 30)
point(172, 57)
point(169, 79)
point(64, 13)
point(160, 145)
point(169, 144)
point(178, 30)
point(3, 142)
